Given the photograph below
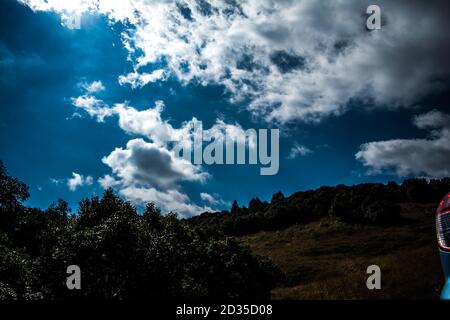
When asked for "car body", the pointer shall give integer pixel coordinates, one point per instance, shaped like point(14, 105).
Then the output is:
point(443, 233)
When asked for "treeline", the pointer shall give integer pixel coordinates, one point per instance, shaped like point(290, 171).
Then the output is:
point(371, 203)
point(121, 254)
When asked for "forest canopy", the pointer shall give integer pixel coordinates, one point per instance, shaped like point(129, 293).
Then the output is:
point(121, 254)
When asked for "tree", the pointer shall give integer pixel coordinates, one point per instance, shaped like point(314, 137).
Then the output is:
point(234, 208)
point(277, 197)
point(255, 204)
point(12, 191)
point(122, 254)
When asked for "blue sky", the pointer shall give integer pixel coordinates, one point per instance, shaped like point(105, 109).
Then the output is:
point(361, 121)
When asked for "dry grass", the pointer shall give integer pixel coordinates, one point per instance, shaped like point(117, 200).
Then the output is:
point(328, 259)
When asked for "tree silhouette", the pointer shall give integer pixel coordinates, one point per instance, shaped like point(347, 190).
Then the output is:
point(234, 208)
point(122, 254)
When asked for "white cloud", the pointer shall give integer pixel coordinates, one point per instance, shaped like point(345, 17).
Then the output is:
point(149, 123)
point(78, 180)
point(151, 169)
point(93, 106)
point(169, 200)
point(149, 164)
point(429, 157)
point(108, 181)
point(89, 103)
point(93, 87)
point(146, 171)
point(292, 59)
point(208, 198)
point(138, 80)
point(213, 200)
point(58, 6)
point(298, 150)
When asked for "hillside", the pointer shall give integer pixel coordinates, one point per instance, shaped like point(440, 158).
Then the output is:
point(327, 259)
point(319, 242)
point(367, 203)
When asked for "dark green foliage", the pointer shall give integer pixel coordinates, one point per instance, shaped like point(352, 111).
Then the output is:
point(12, 191)
point(371, 203)
point(257, 205)
point(277, 197)
point(235, 208)
point(421, 190)
point(122, 254)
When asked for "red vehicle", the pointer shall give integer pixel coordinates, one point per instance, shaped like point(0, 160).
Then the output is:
point(443, 235)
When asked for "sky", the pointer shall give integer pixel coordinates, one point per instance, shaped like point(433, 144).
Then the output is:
point(84, 108)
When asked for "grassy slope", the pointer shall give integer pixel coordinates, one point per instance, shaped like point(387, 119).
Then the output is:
point(328, 259)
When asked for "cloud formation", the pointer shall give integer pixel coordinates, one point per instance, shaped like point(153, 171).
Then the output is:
point(291, 59)
point(145, 171)
point(146, 163)
point(151, 169)
point(138, 80)
point(108, 181)
point(78, 180)
point(429, 157)
point(93, 106)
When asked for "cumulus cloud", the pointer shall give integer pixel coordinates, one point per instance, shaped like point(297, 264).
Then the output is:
point(152, 169)
point(78, 180)
point(145, 171)
point(291, 59)
point(298, 150)
point(108, 181)
point(149, 164)
point(429, 156)
point(149, 123)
